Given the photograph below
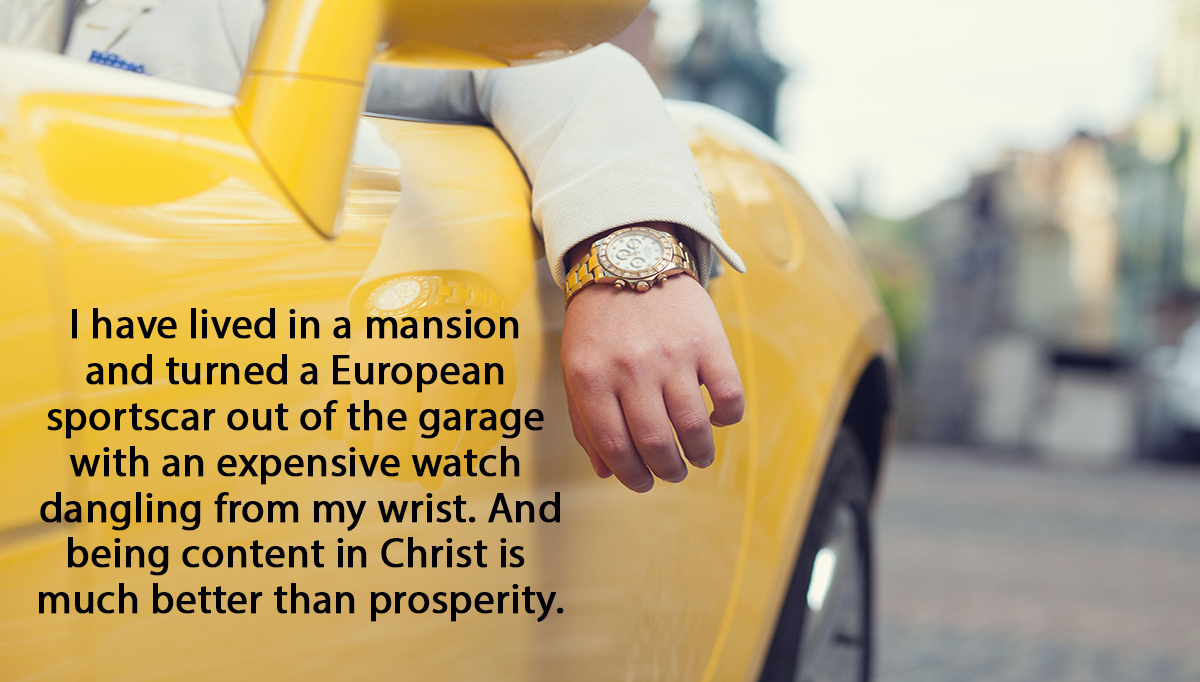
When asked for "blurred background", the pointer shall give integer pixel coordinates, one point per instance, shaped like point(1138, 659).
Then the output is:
point(1023, 178)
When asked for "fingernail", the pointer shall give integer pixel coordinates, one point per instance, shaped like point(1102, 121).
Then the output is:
point(679, 478)
point(643, 487)
point(704, 464)
point(714, 422)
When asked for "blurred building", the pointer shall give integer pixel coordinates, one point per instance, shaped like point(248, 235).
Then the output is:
point(726, 65)
point(1151, 159)
point(1022, 348)
point(970, 245)
point(1179, 94)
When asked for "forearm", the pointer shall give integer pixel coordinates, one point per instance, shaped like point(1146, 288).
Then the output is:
point(601, 152)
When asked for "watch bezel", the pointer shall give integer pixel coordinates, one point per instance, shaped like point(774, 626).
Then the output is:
point(374, 310)
point(636, 275)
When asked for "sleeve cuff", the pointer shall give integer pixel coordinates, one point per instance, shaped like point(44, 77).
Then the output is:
point(694, 212)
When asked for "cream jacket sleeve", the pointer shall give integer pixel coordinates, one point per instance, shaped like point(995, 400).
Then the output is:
point(591, 131)
point(593, 135)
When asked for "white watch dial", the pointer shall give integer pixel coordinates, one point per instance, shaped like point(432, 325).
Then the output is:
point(398, 294)
point(635, 252)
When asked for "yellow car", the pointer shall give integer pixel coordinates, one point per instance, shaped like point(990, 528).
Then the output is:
point(125, 201)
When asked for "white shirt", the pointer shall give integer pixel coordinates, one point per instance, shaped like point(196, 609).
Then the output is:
point(39, 24)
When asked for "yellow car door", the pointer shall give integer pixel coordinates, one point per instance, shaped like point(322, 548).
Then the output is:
point(189, 227)
point(34, 462)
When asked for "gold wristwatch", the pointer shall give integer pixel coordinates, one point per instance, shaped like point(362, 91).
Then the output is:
point(633, 257)
point(403, 295)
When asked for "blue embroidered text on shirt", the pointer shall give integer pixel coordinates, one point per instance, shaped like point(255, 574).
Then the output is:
point(113, 60)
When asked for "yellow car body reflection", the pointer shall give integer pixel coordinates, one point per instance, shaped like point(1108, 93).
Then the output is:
point(142, 198)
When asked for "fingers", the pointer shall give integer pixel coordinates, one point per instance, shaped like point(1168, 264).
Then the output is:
point(634, 435)
point(650, 428)
point(581, 436)
point(632, 394)
point(719, 374)
point(605, 426)
point(689, 416)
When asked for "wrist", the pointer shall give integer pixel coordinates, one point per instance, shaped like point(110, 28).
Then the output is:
point(577, 253)
point(635, 257)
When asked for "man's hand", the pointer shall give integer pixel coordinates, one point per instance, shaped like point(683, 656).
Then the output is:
point(633, 363)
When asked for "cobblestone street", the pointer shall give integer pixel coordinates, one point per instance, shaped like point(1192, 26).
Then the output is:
point(1000, 570)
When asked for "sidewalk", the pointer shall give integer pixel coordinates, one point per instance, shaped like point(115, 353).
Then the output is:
point(1012, 571)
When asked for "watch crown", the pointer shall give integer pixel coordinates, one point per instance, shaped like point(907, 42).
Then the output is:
point(620, 284)
point(643, 286)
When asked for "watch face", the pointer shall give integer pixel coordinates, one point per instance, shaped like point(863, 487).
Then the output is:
point(398, 296)
point(635, 252)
